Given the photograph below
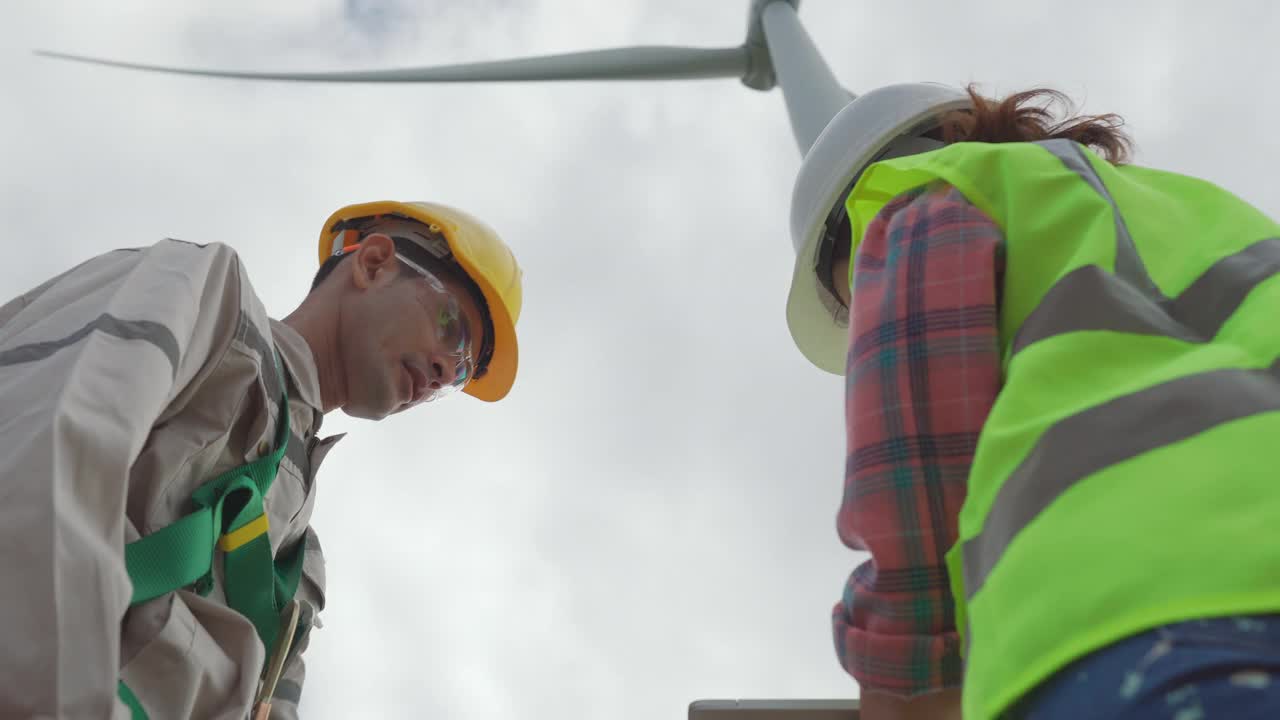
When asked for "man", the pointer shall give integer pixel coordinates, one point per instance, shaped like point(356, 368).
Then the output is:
point(1061, 384)
point(155, 545)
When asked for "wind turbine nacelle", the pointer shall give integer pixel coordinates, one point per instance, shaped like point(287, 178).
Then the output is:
point(884, 123)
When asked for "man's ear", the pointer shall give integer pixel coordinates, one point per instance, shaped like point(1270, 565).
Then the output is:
point(374, 260)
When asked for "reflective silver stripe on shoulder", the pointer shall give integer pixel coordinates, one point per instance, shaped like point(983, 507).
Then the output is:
point(1129, 264)
point(1106, 434)
point(1214, 297)
point(296, 452)
point(146, 330)
point(248, 333)
point(1089, 298)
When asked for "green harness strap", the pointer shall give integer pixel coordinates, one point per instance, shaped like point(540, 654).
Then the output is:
point(131, 700)
point(230, 517)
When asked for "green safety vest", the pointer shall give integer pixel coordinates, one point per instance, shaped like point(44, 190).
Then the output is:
point(231, 521)
point(1124, 478)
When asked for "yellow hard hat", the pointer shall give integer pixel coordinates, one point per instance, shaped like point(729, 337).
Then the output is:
point(484, 257)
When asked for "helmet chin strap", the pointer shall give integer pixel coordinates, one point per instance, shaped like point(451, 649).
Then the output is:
point(909, 145)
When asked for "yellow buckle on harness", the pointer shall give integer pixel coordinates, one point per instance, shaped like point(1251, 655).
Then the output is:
point(236, 538)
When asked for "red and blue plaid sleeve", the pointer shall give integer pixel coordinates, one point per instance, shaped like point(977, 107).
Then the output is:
point(923, 372)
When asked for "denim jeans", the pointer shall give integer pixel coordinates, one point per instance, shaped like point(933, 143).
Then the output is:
point(1225, 668)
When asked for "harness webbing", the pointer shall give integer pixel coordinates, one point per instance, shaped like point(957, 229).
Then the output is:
point(230, 518)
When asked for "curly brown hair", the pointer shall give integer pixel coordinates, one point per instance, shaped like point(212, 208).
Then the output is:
point(1029, 116)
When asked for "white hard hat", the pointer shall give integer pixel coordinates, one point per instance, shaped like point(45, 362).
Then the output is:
point(884, 123)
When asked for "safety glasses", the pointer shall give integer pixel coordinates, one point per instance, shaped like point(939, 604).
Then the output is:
point(453, 333)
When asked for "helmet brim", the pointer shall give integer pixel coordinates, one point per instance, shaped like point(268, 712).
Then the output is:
point(863, 132)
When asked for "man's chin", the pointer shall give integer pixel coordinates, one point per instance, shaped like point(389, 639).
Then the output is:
point(369, 413)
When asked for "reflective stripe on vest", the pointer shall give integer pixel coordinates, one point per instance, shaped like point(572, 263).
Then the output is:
point(1154, 399)
point(1126, 302)
point(1105, 303)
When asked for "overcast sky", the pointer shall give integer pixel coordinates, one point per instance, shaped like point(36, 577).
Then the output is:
point(649, 518)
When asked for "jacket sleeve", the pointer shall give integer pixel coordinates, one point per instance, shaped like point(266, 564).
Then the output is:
point(88, 363)
point(288, 693)
point(923, 373)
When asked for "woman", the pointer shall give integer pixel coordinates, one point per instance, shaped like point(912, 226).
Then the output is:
point(1061, 405)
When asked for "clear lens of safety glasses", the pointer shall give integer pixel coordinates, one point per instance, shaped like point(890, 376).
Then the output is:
point(453, 343)
point(453, 336)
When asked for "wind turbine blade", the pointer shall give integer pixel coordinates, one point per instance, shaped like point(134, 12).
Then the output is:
point(630, 63)
point(810, 89)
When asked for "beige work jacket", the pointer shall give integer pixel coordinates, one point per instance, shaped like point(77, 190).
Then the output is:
point(125, 384)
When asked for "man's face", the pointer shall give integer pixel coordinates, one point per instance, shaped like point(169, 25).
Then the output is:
point(401, 334)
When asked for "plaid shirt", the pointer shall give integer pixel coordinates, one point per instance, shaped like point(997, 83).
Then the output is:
point(923, 372)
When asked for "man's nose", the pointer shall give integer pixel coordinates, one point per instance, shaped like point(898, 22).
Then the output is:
point(444, 371)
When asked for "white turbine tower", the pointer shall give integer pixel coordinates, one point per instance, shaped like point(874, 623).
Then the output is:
point(838, 133)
